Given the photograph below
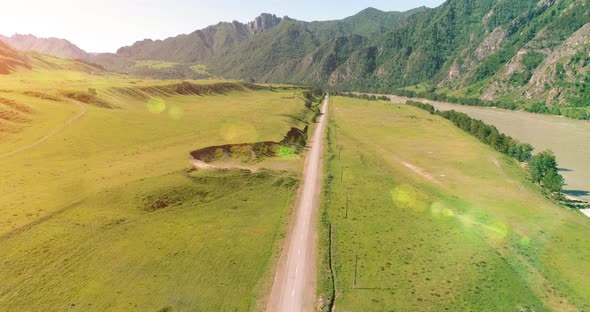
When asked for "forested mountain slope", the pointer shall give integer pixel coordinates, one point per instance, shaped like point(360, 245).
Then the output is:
point(534, 52)
point(251, 50)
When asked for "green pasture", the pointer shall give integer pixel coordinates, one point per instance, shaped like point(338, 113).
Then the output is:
point(107, 214)
point(426, 218)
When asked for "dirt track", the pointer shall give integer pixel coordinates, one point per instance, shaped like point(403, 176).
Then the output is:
point(294, 282)
point(68, 123)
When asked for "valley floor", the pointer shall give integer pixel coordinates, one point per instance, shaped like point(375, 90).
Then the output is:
point(420, 216)
point(108, 214)
point(569, 139)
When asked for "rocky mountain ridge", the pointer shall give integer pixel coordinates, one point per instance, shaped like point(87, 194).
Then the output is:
point(61, 48)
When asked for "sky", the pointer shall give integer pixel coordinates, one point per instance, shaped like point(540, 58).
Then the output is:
point(106, 25)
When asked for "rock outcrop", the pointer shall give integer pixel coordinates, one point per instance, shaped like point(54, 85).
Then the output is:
point(263, 22)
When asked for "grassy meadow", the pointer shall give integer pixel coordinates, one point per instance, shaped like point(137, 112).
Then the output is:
point(566, 137)
point(107, 215)
point(424, 217)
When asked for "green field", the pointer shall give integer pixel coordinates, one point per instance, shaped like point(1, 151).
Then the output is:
point(439, 221)
point(107, 214)
point(155, 64)
point(566, 137)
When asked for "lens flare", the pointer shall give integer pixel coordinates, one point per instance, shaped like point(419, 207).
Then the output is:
point(467, 220)
point(176, 112)
point(436, 208)
point(448, 212)
point(496, 231)
point(501, 230)
point(286, 152)
point(156, 105)
point(404, 196)
point(525, 241)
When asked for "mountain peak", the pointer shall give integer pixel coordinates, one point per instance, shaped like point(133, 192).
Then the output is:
point(371, 10)
point(263, 22)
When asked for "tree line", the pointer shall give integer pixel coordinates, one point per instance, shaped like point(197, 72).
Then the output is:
point(542, 168)
point(362, 96)
point(312, 95)
point(579, 113)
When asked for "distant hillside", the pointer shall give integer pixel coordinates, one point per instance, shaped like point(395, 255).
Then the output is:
point(50, 46)
point(487, 49)
point(11, 60)
point(247, 50)
point(198, 46)
point(531, 54)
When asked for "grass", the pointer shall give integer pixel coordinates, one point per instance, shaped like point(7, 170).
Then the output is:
point(117, 251)
point(200, 69)
point(105, 215)
point(423, 87)
point(543, 132)
point(439, 221)
point(154, 64)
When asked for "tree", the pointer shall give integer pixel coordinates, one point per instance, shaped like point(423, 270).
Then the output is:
point(541, 165)
point(524, 152)
point(553, 181)
point(543, 170)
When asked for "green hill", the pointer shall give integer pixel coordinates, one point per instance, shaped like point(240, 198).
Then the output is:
point(247, 50)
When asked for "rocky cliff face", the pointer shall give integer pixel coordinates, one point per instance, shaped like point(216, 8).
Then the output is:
point(533, 52)
point(553, 66)
point(263, 22)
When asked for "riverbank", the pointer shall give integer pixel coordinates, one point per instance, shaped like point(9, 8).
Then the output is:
point(569, 139)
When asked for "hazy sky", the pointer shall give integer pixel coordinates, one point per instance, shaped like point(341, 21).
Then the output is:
point(106, 25)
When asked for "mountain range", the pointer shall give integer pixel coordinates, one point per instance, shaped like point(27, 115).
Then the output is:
point(246, 50)
point(535, 53)
point(12, 60)
point(531, 52)
point(51, 46)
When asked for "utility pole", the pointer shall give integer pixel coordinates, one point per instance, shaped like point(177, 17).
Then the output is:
point(356, 262)
point(346, 217)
